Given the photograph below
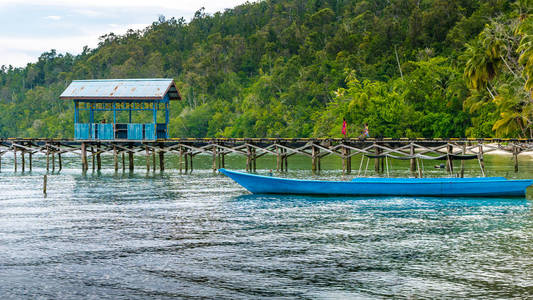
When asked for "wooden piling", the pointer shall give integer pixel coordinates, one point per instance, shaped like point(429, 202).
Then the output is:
point(214, 166)
point(93, 161)
point(115, 157)
point(23, 161)
point(53, 161)
point(278, 158)
point(412, 164)
point(223, 160)
point(162, 161)
point(130, 161)
point(463, 161)
point(153, 160)
point(60, 160)
point(191, 156)
point(45, 183)
point(515, 157)
point(186, 162)
point(31, 161)
point(348, 161)
point(98, 158)
point(313, 159)
point(48, 158)
point(147, 158)
point(286, 159)
point(84, 164)
point(123, 161)
point(480, 158)
point(180, 163)
point(254, 160)
point(449, 159)
point(15, 158)
point(248, 158)
point(377, 151)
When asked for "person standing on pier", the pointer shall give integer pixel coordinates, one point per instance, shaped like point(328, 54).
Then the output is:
point(344, 127)
point(364, 132)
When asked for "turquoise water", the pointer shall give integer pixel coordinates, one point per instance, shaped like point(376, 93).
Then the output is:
point(137, 235)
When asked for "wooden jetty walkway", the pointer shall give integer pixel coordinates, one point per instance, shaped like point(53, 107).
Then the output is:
point(378, 150)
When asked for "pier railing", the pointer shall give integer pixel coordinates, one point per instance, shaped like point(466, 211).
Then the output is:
point(254, 148)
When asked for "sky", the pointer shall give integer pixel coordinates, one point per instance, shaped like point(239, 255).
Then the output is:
point(30, 27)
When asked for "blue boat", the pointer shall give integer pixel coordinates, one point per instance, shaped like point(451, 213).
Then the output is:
point(468, 187)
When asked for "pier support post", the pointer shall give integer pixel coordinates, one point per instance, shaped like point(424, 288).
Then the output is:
point(515, 157)
point(186, 162)
point(214, 158)
point(286, 158)
point(313, 159)
point(53, 161)
point(153, 160)
point(130, 161)
point(480, 158)
point(93, 158)
point(191, 156)
point(412, 164)
point(123, 161)
point(60, 161)
point(98, 158)
point(181, 159)
point(84, 164)
point(254, 160)
point(377, 151)
point(48, 158)
point(1, 162)
point(31, 159)
point(162, 161)
point(248, 158)
point(15, 158)
point(449, 160)
point(147, 157)
point(278, 158)
point(463, 161)
point(223, 160)
point(115, 157)
point(23, 161)
point(348, 161)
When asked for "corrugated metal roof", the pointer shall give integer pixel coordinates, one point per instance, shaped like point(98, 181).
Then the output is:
point(110, 89)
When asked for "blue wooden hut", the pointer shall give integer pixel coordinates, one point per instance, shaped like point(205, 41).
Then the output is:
point(122, 97)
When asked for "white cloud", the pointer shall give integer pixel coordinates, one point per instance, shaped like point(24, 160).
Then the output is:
point(53, 18)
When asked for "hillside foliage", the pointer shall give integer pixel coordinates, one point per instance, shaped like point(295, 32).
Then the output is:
point(296, 68)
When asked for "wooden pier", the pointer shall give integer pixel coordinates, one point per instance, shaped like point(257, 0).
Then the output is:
point(377, 150)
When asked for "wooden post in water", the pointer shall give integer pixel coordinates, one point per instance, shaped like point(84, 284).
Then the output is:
point(377, 151)
point(84, 164)
point(214, 167)
point(130, 161)
point(254, 160)
point(286, 158)
point(23, 161)
point(153, 160)
point(463, 161)
point(115, 158)
point(15, 158)
point(31, 156)
point(348, 161)
point(123, 161)
point(278, 158)
point(515, 156)
point(45, 182)
point(313, 159)
point(186, 161)
point(147, 158)
point(181, 159)
point(1, 162)
point(449, 160)
point(60, 161)
point(223, 160)
point(412, 165)
point(248, 158)
point(191, 156)
point(53, 161)
point(98, 158)
point(162, 161)
point(480, 158)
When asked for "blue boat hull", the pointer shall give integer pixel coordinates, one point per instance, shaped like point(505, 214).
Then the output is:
point(485, 187)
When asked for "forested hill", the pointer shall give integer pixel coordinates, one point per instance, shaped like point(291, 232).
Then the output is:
point(295, 68)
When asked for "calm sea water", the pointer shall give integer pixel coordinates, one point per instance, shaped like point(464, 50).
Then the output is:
point(150, 235)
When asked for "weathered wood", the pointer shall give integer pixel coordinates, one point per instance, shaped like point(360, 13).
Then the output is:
point(223, 160)
point(31, 161)
point(248, 158)
point(412, 164)
point(186, 162)
point(93, 160)
point(53, 162)
point(131, 163)
point(162, 161)
point(153, 160)
point(123, 161)
point(480, 158)
point(23, 160)
point(98, 158)
point(47, 158)
point(191, 156)
point(84, 164)
point(15, 158)
point(515, 157)
point(377, 151)
point(278, 159)
point(254, 160)
point(180, 163)
point(115, 158)
point(463, 151)
point(214, 166)
point(449, 160)
point(147, 158)
point(313, 159)
point(348, 161)
point(45, 183)
point(60, 160)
